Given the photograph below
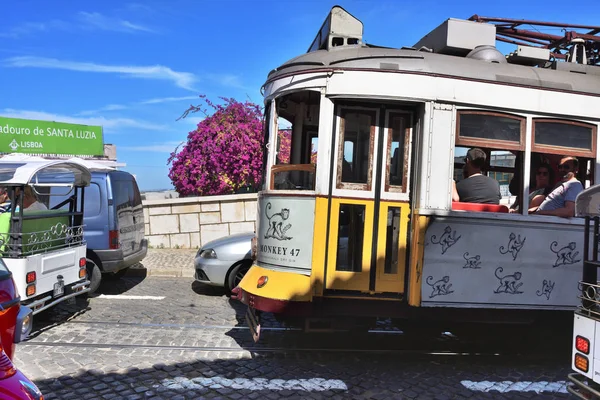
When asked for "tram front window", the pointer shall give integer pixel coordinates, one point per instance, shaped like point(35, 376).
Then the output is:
point(297, 125)
point(357, 146)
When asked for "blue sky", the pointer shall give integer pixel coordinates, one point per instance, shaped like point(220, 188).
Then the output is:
point(134, 67)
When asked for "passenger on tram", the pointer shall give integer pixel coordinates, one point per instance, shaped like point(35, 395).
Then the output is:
point(561, 201)
point(544, 183)
point(476, 187)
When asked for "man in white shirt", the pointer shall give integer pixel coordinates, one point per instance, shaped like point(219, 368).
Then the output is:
point(561, 201)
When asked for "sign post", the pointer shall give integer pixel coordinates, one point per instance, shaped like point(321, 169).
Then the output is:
point(50, 138)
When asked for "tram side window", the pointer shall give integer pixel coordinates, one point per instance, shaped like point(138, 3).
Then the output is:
point(561, 162)
point(498, 140)
point(570, 150)
point(297, 125)
point(559, 138)
point(498, 168)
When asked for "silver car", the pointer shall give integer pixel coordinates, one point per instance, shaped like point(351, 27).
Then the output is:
point(225, 261)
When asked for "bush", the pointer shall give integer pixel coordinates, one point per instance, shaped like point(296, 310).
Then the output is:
point(223, 155)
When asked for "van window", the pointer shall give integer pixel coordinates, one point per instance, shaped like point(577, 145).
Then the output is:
point(137, 197)
point(122, 194)
point(92, 200)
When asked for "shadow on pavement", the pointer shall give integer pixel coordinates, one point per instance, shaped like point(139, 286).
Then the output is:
point(113, 286)
point(207, 290)
point(307, 375)
point(73, 308)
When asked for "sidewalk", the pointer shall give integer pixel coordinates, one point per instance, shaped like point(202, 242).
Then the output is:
point(166, 262)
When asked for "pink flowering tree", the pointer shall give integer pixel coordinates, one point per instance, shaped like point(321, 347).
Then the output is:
point(285, 145)
point(223, 154)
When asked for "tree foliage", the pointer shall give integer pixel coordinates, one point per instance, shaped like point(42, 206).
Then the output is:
point(223, 154)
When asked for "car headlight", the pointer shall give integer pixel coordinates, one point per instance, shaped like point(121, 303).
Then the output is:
point(208, 253)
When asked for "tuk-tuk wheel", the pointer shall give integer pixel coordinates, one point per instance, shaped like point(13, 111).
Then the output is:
point(94, 275)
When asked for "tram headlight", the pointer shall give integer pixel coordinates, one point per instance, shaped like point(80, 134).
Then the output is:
point(262, 281)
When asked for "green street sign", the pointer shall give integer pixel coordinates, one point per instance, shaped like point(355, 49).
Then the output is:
point(49, 138)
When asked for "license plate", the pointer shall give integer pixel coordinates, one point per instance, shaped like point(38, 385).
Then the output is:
point(59, 289)
point(253, 321)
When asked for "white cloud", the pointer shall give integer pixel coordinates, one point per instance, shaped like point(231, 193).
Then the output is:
point(229, 80)
point(118, 107)
point(168, 99)
point(192, 120)
point(110, 107)
point(29, 28)
point(83, 21)
point(113, 107)
point(110, 125)
point(184, 80)
point(98, 21)
point(167, 147)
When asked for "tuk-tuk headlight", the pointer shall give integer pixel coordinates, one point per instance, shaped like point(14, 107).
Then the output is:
point(24, 324)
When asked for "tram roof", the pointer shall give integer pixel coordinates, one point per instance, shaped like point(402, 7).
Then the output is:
point(457, 49)
point(425, 63)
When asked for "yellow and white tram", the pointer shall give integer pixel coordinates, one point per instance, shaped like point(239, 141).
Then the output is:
point(360, 221)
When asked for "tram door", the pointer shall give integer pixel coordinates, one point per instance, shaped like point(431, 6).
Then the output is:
point(367, 242)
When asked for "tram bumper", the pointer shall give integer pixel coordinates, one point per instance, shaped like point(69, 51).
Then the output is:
point(276, 292)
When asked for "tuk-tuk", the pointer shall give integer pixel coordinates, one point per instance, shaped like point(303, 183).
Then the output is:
point(41, 240)
point(585, 361)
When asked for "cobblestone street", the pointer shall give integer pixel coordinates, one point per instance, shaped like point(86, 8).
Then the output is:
point(159, 337)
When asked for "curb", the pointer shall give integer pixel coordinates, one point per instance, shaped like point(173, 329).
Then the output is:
point(172, 273)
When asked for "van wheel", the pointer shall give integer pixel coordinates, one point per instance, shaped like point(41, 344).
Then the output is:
point(94, 275)
point(237, 274)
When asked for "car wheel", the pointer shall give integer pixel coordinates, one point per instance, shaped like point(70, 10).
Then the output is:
point(237, 274)
point(94, 275)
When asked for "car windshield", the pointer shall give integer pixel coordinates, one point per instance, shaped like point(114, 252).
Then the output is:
point(4, 272)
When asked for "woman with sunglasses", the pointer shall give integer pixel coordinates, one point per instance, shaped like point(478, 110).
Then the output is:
point(544, 182)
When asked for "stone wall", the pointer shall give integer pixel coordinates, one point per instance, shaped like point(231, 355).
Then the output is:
point(189, 222)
